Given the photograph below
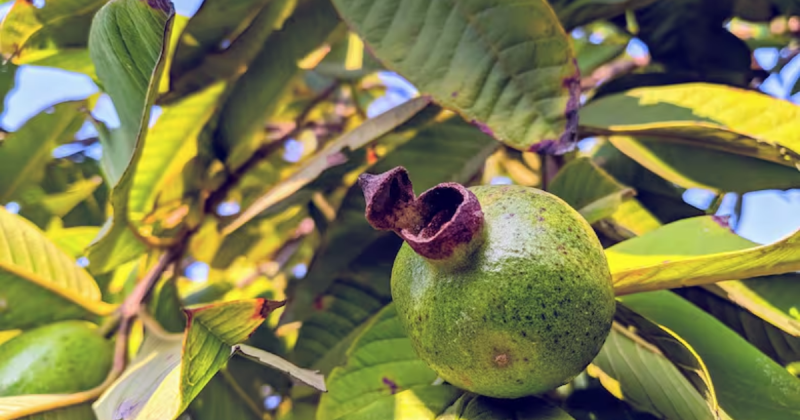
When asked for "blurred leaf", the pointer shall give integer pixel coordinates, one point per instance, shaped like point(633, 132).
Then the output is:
point(476, 407)
point(589, 189)
point(171, 144)
point(218, 400)
point(39, 283)
point(644, 378)
point(221, 39)
point(676, 257)
point(672, 29)
point(26, 152)
point(460, 52)
point(62, 203)
point(18, 406)
point(53, 34)
point(775, 299)
point(448, 151)
point(421, 402)
point(594, 402)
point(8, 75)
point(770, 340)
point(169, 372)
point(593, 56)
point(257, 93)
point(308, 377)
point(165, 306)
point(739, 121)
point(672, 347)
point(380, 363)
point(73, 241)
point(125, 35)
point(574, 13)
point(749, 384)
point(331, 156)
point(698, 167)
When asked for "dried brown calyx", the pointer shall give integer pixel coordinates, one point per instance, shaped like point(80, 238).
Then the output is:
point(442, 224)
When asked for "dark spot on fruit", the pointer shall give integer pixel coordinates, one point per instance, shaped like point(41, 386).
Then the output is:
point(524, 334)
point(528, 318)
point(541, 219)
point(543, 317)
point(484, 318)
point(525, 359)
point(519, 381)
point(501, 360)
point(542, 209)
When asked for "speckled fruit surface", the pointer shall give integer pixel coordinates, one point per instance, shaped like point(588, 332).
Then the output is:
point(63, 357)
point(528, 311)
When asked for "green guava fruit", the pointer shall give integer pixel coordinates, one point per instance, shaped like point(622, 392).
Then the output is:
point(504, 291)
point(63, 357)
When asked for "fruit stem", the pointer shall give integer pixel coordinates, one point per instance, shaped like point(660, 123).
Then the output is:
point(444, 223)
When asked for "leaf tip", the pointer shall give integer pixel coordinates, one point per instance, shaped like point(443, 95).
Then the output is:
point(266, 306)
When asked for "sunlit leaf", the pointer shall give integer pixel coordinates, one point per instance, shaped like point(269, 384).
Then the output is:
point(327, 157)
point(676, 257)
point(748, 383)
point(171, 143)
point(733, 120)
point(125, 35)
point(39, 283)
point(257, 93)
point(308, 377)
point(62, 203)
point(698, 167)
point(421, 402)
point(169, 372)
point(508, 66)
point(74, 240)
point(26, 151)
point(448, 151)
point(589, 189)
point(221, 39)
point(52, 34)
point(381, 362)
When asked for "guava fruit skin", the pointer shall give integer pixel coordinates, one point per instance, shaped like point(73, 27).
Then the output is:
point(63, 357)
point(527, 311)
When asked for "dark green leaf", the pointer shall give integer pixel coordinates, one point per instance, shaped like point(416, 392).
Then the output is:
point(218, 400)
point(257, 93)
point(574, 13)
point(748, 383)
point(589, 189)
point(221, 39)
point(127, 44)
point(507, 66)
point(475, 407)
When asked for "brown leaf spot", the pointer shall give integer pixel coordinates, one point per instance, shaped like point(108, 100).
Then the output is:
point(391, 384)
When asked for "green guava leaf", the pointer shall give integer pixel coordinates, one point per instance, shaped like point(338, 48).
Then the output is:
point(73, 241)
point(507, 66)
point(219, 400)
point(381, 365)
point(125, 35)
point(574, 13)
point(770, 340)
point(634, 371)
point(775, 299)
point(59, 204)
point(169, 371)
point(747, 382)
point(329, 157)
point(671, 346)
point(53, 34)
point(27, 150)
point(674, 260)
point(257, 94)
point(589, 189)
point(308, 377)
point(476, 407)
point(444, 151)
point(39, 283)
point(703, 115)
point(171, 144)
point(697, 167)
point(221, 39)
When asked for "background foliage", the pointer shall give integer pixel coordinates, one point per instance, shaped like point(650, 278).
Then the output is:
point(235, 139)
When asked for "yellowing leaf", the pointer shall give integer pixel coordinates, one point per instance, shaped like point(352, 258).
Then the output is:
point(673, 256)
point(39, 283)
point(718, 117)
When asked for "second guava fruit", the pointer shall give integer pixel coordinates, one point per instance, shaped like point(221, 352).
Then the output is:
point(58, 358)
point(504, 291)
